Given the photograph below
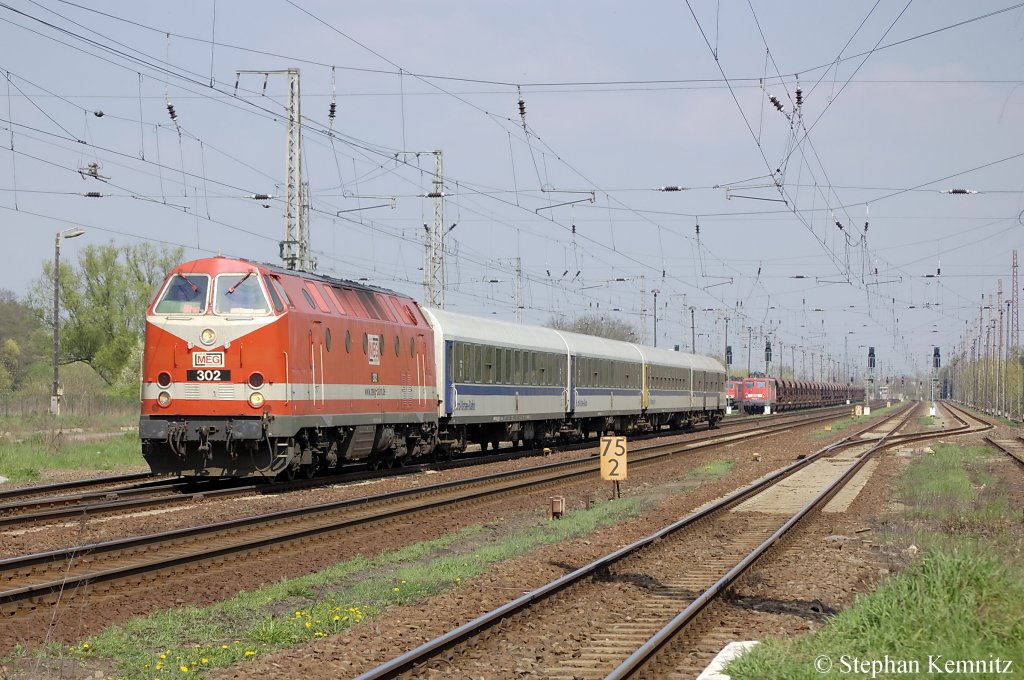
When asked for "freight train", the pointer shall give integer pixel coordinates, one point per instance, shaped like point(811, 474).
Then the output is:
point(253, 370)
point(763, 394)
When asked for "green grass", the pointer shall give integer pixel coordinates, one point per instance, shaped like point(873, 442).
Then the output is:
point(303, 609)
point(926, 422)
point(844, 423)
point(962, 599)
point(944, 487)
point(714, 470)
point(25, 461)
point(964, 603)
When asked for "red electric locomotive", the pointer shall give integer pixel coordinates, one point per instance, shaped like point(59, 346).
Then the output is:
point(254, 370)
point(734, 392)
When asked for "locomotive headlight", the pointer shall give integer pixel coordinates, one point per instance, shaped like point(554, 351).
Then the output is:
point(256, 399)
point(164, 379)
point(256, 380)
point(164, 399)
point(208, 336)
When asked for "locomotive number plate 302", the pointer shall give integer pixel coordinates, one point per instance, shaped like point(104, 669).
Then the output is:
point(208, 375)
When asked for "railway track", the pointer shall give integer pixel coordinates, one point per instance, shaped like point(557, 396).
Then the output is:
point(36, 581)
point(40, 508)
point(634, 613)
point(9, 496)
point(1014, 448)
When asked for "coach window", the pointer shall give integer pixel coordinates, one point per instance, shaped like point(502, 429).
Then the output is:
point(455, 364)
point(478, 364)
point(309, 299)
point(412, 346)
point(398, 346)
point(508, 366)
point(366, 343)
point(327, 339)
point(489, 365)
point(348, 341)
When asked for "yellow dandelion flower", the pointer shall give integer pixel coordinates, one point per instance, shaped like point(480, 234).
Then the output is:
point(223, 646)
point(184, 669)
point(205, 660)
point(163, 656)
point(250, 653)
point(337, 618)
point(308, 624)
point(396, 589)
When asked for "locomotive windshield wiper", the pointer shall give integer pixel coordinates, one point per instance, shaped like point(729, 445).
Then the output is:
point(195, 288)
point(232, 288)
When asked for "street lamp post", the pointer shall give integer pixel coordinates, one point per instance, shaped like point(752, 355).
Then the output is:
point(55, 393)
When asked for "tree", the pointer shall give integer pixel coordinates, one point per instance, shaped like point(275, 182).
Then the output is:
point(22, 340)
point(595, 324)
point(103, 302)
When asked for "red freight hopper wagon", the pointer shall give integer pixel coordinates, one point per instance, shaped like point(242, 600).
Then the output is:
point(254, 370)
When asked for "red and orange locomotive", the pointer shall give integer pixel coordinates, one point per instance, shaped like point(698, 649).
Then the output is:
point(252, 369)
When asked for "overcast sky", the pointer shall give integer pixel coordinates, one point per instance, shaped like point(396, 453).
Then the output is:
point(899, 103)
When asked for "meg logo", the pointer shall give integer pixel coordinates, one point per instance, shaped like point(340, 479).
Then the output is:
point(208, 359)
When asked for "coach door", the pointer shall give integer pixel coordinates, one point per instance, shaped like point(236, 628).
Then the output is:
point(570, 393)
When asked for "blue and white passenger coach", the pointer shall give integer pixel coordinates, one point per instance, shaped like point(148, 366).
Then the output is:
point(500, 381)
point(681, 388)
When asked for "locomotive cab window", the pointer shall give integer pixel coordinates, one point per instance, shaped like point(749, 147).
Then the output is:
point(274, 297)
point(184, 294)
point(239, 294)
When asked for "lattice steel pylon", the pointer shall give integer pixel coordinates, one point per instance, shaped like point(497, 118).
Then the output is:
point(295, 246)
point(434, 269)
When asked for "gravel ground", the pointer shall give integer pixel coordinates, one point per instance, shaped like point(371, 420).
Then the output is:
point(76, 619)
point(818, 570)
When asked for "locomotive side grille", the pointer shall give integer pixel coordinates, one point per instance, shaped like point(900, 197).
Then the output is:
point(406, 390)
point(192, 391)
